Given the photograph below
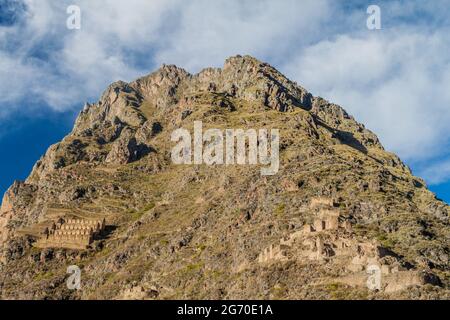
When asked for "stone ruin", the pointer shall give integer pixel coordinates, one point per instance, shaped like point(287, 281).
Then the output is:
point(328, 239)
point(318, 202)
point(393, 275)
point(327, 219)
point(273, 253)
point(70, 233)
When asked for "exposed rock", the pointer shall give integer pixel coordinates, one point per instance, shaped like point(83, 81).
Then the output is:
point(338, 203)
point(148, 130)
point(126, 149)
point(15, 249)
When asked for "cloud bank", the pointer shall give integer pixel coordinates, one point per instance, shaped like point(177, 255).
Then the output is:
point(394, 80)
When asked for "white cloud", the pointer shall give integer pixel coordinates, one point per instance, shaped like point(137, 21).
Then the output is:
point(394, 80)
point(210, 31)
point(437, 173)
point(42, 59)
point(118, 37)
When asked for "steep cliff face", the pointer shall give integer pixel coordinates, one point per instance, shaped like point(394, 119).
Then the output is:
point(198, 231)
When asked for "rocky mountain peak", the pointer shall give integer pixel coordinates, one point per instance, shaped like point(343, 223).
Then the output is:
point(338, 202)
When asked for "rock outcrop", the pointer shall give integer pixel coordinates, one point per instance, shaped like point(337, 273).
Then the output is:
point(126, 149)
point(338, 204)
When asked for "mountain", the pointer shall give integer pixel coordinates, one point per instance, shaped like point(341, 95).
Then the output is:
point(338, 208)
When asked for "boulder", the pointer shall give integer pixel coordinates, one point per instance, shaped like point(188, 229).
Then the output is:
point(126, 149)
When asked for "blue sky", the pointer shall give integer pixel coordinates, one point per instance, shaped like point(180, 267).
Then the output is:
point(394, 80)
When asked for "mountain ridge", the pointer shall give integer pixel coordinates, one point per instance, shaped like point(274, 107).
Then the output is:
point(211, 224)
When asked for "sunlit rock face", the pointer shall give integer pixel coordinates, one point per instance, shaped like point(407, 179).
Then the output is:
point(337, 205)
